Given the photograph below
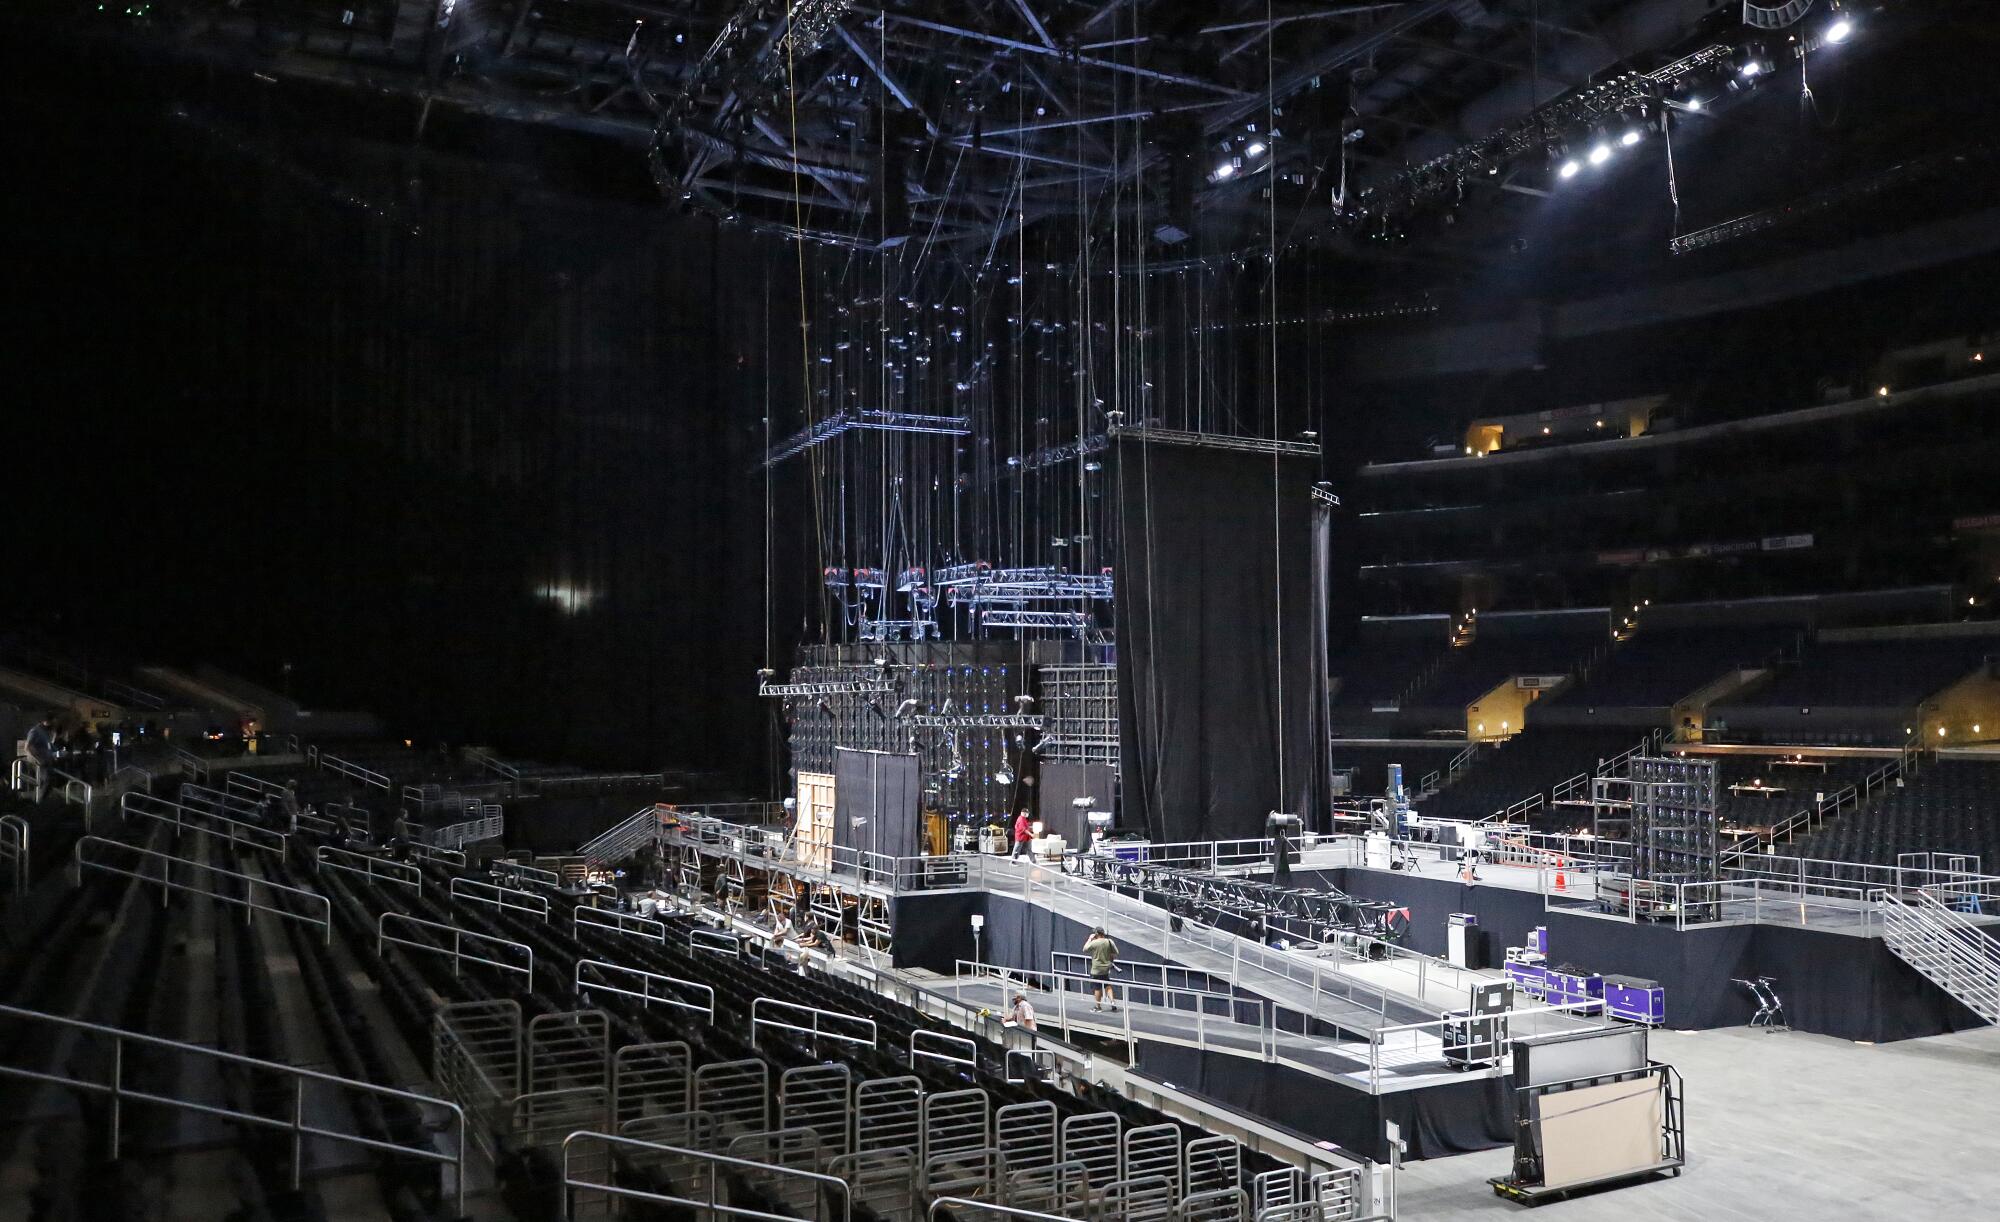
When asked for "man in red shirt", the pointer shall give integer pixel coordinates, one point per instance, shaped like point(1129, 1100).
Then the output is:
point(1023, 833)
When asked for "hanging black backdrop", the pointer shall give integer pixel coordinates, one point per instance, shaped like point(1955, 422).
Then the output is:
point(1215, 634)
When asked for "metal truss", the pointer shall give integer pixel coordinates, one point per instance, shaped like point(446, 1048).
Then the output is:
point(898, 630)
point(844, 687)
point(1061, 621)
point(990, 586)
point(1216, 441)
point(868, 420)
point(973, 721)
point(1257, 907)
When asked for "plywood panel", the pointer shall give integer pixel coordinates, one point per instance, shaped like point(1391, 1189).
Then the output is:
point(1598, 1131)
point(813, 832)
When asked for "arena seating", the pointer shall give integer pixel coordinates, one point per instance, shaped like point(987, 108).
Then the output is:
point(1888, 674)
point(1951, 805)
point(1761, 791)
point(1530, 763)
point(1371, 761)
point(1381, 666)
point(1473, 670)
point(1657, 668)
point(281, 991)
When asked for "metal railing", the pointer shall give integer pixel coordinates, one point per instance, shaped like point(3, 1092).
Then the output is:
point(459, 939)
point(193, 767)
point(193, 819)
point(596, 975)
point(369, 866)
point(1929, 929)
point(786, 1182)
point(90, 850)
point(810, 1021)
point(120, 1093)
point(14, 842)
point(530, 902)
point(353, 771)
point(490, 825)
point(583, 917)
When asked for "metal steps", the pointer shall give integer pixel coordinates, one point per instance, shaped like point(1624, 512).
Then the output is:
point(1951, 951)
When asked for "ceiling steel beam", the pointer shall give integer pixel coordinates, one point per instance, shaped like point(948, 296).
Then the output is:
point(1088, 61)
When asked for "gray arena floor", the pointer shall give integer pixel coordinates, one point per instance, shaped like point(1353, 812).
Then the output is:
point(1790, 1127)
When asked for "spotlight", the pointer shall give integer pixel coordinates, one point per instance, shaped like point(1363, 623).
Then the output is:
point(1003, 777)
point(1225, 170)
point(1694, 104)
point(1839, 30)
point(1256, 149)
point(1752, 69)
point(1569, 168)
point(1630, 138)
point(1599, 154)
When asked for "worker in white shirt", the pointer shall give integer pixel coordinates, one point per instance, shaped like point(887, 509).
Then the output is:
point(1020, 1014)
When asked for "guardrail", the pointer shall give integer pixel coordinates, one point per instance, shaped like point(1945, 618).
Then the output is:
point(193, 767)
point(376, 869)
point(457, 950)
point(1408, 1044)
point(638, 984)
point(229, 1065)
point(583, 917)
point(812, 1186)
point(521, 872)
point(190, 818)
point(14, 838)
point(480, 892)
point(951, 1049)
point(817, 1023)
point(352, 771)
point(88, 848)
point(432, 854)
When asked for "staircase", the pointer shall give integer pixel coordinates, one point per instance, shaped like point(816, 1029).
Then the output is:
point(1952, 952)
point(623, 839)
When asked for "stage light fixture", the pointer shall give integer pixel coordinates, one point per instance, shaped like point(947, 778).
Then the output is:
point(1600, 153)
point(1569, 168)
point(1840, 30)
point(1694, 104)
point(1256, 149)
point(1631, 137)
point(1751, 70)
point(1225, 170)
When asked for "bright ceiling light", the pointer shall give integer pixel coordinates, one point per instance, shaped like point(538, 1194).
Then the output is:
point(1569, 168)
point(1694, 104)
point(1225, 169)
point(1753, 68)
point(1839, 30)
point(1630, 138)
point(1600, 154)
point(1256, 148)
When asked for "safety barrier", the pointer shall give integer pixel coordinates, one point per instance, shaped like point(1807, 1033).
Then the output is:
point(521, 872)
point(938, 1046)
point(584, 917)
point(91, 852)
point(433, 855)
point(369, 866)
point(769, 1012)
point(596, 975)
point(512, 898)
point(191, 819)
point(310, 1092)
point(14, 868)
point(353, 771)
point(791, 1184)
point(459, 939)
point(714, 942)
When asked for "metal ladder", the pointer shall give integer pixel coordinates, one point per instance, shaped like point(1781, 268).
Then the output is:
point(624, 838)
point(1952, 952)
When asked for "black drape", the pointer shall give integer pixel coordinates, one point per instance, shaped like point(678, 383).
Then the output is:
point(1215, 634)
point(1062, 785)
point(875, 802)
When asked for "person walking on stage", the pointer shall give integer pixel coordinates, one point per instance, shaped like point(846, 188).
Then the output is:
point(1024, 832)
point(1103, 954)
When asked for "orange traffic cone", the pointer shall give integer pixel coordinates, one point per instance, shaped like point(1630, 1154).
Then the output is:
point(1562, 883)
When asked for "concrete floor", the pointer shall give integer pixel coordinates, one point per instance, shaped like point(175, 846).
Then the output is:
point(1789, 1126)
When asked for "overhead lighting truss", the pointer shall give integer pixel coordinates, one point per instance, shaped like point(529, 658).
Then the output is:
point(840, 687)
point(973, 721)
point(866, 420)
point(1054, 621)
point(1216, 441)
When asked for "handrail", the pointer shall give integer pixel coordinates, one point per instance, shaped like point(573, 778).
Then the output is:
point(813, 1015)
point(456, 950)
point(1008, 1211)
point(715, 942)
point(221, 800)
point(296, 1124)
point(494, 764)
point(376, 869)
point(14, 837)
point(437, 855)
point(832, 1183)
point(192, 765)
point(523, 872)
point(644, 993)
point(953, 1042)
point(237, 832)
point(615, 922)
point(353, 771)
point(501, 897)
point(250, 883)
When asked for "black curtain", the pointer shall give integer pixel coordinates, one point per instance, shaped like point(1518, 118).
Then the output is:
point(1062, 784)
point(875, 802)
point(1215, 604)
